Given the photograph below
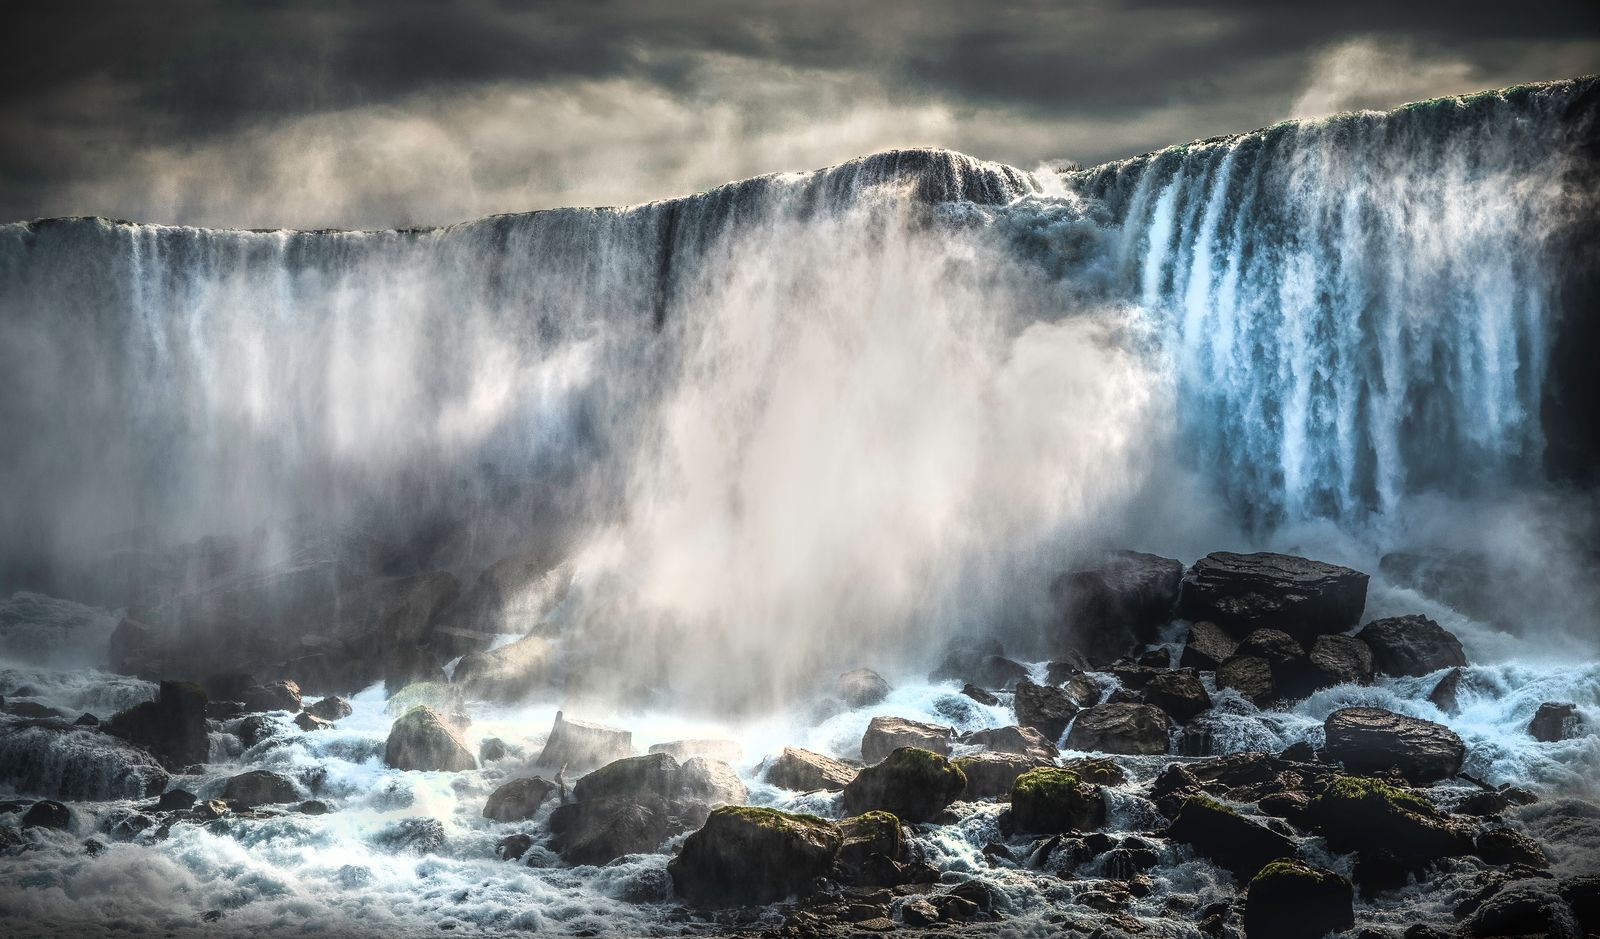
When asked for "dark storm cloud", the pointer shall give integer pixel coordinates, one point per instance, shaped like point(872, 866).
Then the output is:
point(183, 109)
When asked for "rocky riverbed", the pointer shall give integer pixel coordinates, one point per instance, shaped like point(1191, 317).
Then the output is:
point(1251, 745)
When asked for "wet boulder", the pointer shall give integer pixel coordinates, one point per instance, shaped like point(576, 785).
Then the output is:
point(272, 696)
point(172, 727)
point(1022, 741)
point(1291, 666)
point(175, 800)
point(991, 775)
point(1411, 645)
point(1373, 739)
point(256, 728)
point(1240, 844)
point(421, 740)
point(510, 673)
point(1206, 647)
point(331, 708)
point(1357, 813)
point(912, 783)
point(1292, 900)
point(726, 751)
point(580, 745)
point(1250, 676)
point(1340, 660)
point(754, 856)
point(963, 658)
point(1532, 907)
point(1179, 693)
point(886, 734)
point(1121, 728)
point(805, 771)
point(1446, 695)
point(77, 764)
point(1118, 605)
point(1046, 709)
point(632, 805)
point(401, 633)
point(860, 688)
point(873, 851)
point(517, 800)
point(306, 720)
point(1505, 846)
point(979, 695)
point(1554, 722)
point(47, 813)
point(260, 787)
point(1049, 800)
point(1302, 597)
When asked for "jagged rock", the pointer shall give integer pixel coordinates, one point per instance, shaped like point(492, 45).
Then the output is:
point(209, 810)
point(1206, 647)
point(605, 829)
point(1372, 739)
point(580, 745)
point(260, 787)
point(413, 835)
point(1023, 741)
point(1582, 892)
point(804, 771)
point(1555, 721)
point(1241, 592)
point(1226, 837)
point(510, 673)
point(1158, 658)
point(991, 775)
point(1179, 693)
point(1292, 900)
point(1250, 676)
point(1525, 908)
point(754, 856)
point(726, 751)
point(1360, 814)
point(518, 799)
point(421, 740)
point(872, 852)
point(272, 696)
point(1043, 708)
point(979, 695)
point(47, 813)
point(1049, 800)
point(1340, 660)
point(175, 800)
point(1116, 606)
point(860, 688)
point(1411, 645)
point(1120, 728)
point(306, 720)
point(886, 734)
point(256, 728)
point(912, 783)
point(172, 727)
point(331, 708)
point(1505, 846)
point(1446, 694)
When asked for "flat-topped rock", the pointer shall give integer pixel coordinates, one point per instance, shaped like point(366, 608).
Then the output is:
point(1411, 645)
point(805, 771)
point(1109, 609)
point(1373, 739)
point(1302, 597)
point(886, 734)
point(1121, 728)
point(580, 745)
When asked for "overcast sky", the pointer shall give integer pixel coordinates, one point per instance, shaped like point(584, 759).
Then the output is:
point(309, 113)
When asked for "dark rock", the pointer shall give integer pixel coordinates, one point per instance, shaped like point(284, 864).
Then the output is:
point(1299, 752)
point(421, 740)
point(1117, 605)
point(413, 835)
point(224, 710)
point(963, 655)
point(886, 734)
point(512, 847)
point(632, 805)
point(1411, 645)
point(1241, 592)
point(579, 745)
point(260, 787)
point(32, 709)
point(272, 696)
point(1582, 893)
point(1554, 721)
point(1043, 708)
point(1206, 647)
point(872, 851)
point(750, 855)
point(133, 647)
point(991, 775)
point(918, 912)
point(512, 588)
point(1525, 908)
point(1050, 800)
point(306, 720)
point(87, 720)
point(1446, 694)
point(1340, 660)
point(47, 814)
point(313, 807)
point(518, 799)
point(1281, 650)
point(1360, 814)
point(76, 764)
point(172, 727)
point(860, 688)
point(1292, 900)
point(1505, 846)
point(1250, 676)
point(256, 728)
point(724, 751)
point(331, 708)
point(1372, 739)
point(402, 632)
point(1097, 770)
point(175, 800)
point(602, 830)
point(912, 783)
point(511, 673)
point(1121, 728)
point(1022, 741)
point(491, 750)
point(804, 771)
point(1179, 693)
point(979, 695)
point(1239, 844)
point(1158, 658)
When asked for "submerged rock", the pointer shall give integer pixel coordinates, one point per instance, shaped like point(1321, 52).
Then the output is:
point(63, 761)
point(886, 734)
point(860, 688)
point(805, 771)
point(1050, 801)
point(579, 745)
point(518, 799)
point(260, 787)
point(1302, 597)
point(1121, 728)
point(256, 728)
point(912, 783)
point(1446, 694)
point(754, 855)
point(421, 740)
point(1292, 900)
point(979, 695)
point(1045, 709)
point(1239, 844)
point(1108, 610)
point(1555, 721)
point(173, 726)
point(1411, 645)
point(1372, 739)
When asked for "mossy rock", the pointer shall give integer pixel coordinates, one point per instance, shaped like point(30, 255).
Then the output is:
point(1358, 813)
point(873, 851)
point(1294, 900)
point(1216, 831)
point(421, 740)
point(911, 783)
point(748, 855)
point(1050, 800)
point(1098, 770)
